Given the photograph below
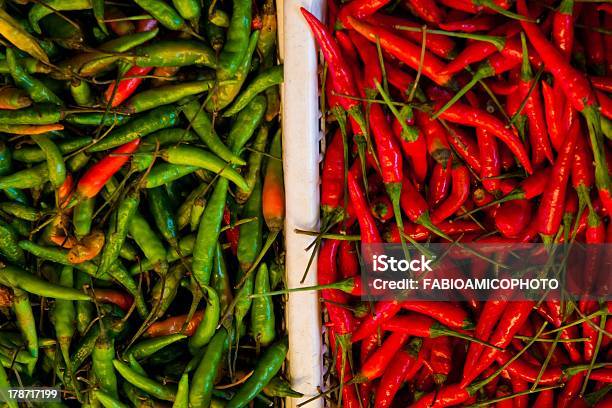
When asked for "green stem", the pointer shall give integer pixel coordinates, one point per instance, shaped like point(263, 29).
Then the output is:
point(498, 42)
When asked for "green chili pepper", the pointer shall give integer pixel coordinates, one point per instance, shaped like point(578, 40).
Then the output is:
point(146, 239)
point(267, 367)
point(128, 252)
point(185, 245)
point(249, 246)
point(219, 17)
point(144, 383)
point(215, 35)
point(18, 278)
point(81, 93)
point(6, 167)
point(206, 329)
point(147, 348)
point(108, 401)
point(182, 393)
point(4, 386)
point(29, 178)
point(220, 280)
point(165, 290)
point(196, 213)
point(160, 118)
point(44, 114)
point(40, 10)
point(21, 227)
point(84, 309)
point(193, 156)
point(98, 12)
point(121, 275)
point(184, 212)
point(262, 311)
point(64, 33)
point(279, 387)
point(31, 66)
point(164, 137)
point(114, 327)
point(254, 165)
point(20, 37)
point(9, 246)
point(102, 358)
point(203, 126)
point(63, 315)
point(96, 119)
point(165, 95)
point(188, 9)
point(200, 393)
point(25, 319)
point(246, 123)
point(36, 155)
point(82, 217)
point(175, 53)
point(271, 77)
point(36, 89)
point(162, 12)
point(226, 92)
point(55, 161)
point(164, 173)
point(159, 206)
point(117, 232)
point(20, 211)
point(237, 37)
point(208, 234)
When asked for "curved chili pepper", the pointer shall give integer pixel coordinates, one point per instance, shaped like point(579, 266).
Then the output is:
point(427, 10)
point(415, 151)
point(439, 184)
point(460, 192)
point(466, 115)
point(367, 226)
point(403, 368)
point(435, 137)
point(449, 315)
point(553, 116)
point(404, 50)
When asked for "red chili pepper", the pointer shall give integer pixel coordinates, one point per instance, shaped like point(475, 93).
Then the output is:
point(343, 368)
point(435, 137)
point(439, 184)
point(360, 9)
point(460, 192)
point(426, 10)
point(415, 207)
point(381, 208)
point(446, 396)
point(570, 391)
point(372, 73)
point(518, 386)
point(471, 25)
point(511, 321)
point(415, 151)
point(490, 315)
point(64, 192)
point(471, 54)
point(339, 71)
point(529, 372)
point(440, 45)
point(602, 374)
point(368, 347)
point(504, 88)
point(603, 83)
point(98, 174)
point(593, 39)
point(383, 311)
point(232, 234)
point(513, 217)
point(367, 225)
point(502, 392)
point(490, 161)
point(534, 112)
point(126, 86)
point(448, 314)
point(404, 50)
point(550, 211)
point(440, 357)
point(121, 299)
point(378, 362)
point(399, 78)
point(403, 368)
point(553, 116)
point(469, 116)
point(341, 318)
point(332, 177)
point(545, 399)
point(466, 147)
point(563, 27)
point(348, 262)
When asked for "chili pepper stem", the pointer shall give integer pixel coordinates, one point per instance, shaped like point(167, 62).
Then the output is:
point(440, 330)
point(602, 177)
point(395, 190)
point(481, 73)
point(497, 41)
point(493, 6)
point(346, 286)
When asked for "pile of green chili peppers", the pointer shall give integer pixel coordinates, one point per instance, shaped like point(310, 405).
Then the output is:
point(140, 162)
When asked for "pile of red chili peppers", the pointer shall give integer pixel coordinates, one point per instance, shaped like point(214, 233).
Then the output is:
point(464, 121)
